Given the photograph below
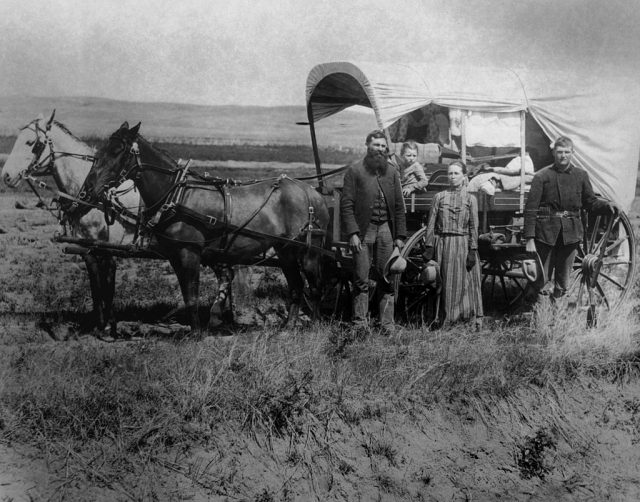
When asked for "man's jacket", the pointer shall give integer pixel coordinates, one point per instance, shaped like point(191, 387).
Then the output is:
point(554, 203)
point(359, 193)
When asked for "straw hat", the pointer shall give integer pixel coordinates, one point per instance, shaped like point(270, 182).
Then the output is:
point(395, 264)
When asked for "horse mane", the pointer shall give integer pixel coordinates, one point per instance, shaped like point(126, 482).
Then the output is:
point(163, 154)
point(66, 130)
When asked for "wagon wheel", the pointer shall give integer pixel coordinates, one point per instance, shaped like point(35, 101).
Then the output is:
point(604, 268)
point(415, 302)
point(335, 295)
point(503, 281)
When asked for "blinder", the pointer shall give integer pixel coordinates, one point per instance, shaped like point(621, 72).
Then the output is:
point(38, 147)
point(38, 167)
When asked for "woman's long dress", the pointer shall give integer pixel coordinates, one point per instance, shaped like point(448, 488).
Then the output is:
point(453, 232)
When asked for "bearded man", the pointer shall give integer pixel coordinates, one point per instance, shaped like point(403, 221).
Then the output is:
point(373, 216)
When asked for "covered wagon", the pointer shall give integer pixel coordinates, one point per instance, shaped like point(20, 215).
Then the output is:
point(503, 123)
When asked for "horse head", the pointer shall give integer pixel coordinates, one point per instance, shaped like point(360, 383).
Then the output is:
point(113, 163)
point(31, 154)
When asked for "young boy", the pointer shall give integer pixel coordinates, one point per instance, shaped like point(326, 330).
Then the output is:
point(412, 173)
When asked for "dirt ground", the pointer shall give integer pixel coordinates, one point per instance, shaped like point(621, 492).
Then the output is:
point(431, 454)
point(587, 436)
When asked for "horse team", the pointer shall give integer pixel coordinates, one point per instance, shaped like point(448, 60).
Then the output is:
point(188, 220)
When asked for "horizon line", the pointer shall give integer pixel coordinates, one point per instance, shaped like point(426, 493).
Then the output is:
point(162, 102)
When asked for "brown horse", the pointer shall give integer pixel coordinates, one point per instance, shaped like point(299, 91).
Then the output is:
point(201, 221)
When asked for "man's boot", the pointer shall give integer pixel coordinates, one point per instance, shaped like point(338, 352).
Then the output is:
point(387, 312)
point(360, 311)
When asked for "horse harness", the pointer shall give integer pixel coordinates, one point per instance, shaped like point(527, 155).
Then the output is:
point(67, 204)
point(170, 207)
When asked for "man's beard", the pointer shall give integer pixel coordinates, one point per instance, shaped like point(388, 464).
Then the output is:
point(376, 161)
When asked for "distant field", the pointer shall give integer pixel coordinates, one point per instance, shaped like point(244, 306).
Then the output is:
point(239, 152)
point(240, 162)
point(196, 124)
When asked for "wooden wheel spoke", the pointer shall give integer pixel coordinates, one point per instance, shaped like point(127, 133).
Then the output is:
point(616, 243)
point(603, 295)
point(614, 263)
point(580, 291)
point(611, 279)
point(594, 235)
point(504, 288)
point(519, 285)
point(417, 301)
point(576, 283)
point(600, 240)
point(610, 239)
point(413, 262)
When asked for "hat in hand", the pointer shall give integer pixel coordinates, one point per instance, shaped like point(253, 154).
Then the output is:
point(533, 270)
point(395, 264)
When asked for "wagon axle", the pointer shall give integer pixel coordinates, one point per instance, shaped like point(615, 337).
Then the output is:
point(591, 265)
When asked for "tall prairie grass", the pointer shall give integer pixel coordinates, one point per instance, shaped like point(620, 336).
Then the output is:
point(131, 405)
point(270, 380)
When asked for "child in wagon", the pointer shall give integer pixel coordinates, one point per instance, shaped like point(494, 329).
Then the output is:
point(412, 174)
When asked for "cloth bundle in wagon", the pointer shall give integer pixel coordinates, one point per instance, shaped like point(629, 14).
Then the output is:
point(502, 122)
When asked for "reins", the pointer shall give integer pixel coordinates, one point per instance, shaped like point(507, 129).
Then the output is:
point(168, 205)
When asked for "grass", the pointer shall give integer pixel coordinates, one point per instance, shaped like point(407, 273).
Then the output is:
point(140, 400)
point(119, 415)
point(121, 408)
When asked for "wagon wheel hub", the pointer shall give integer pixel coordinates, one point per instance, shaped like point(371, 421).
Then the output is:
point(591, 265)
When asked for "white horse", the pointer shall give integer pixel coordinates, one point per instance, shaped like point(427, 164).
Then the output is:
point(47, 147)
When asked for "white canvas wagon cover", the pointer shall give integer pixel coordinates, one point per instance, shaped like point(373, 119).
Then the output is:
point(599, 112)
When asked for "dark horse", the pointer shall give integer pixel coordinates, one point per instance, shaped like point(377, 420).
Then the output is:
point(199, 221)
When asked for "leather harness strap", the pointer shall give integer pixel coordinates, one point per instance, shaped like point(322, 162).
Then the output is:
point(227, 231)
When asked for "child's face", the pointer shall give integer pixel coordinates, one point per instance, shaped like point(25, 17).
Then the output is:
point(410, 156)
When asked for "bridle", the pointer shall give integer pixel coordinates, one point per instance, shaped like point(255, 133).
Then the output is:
point(108, 194)
point(40, 166)
point(137, 166)
point(133, 167)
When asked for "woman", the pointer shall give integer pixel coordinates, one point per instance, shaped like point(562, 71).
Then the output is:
point(452, 239)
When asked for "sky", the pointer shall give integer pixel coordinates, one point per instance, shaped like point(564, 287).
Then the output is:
point(259, 52)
